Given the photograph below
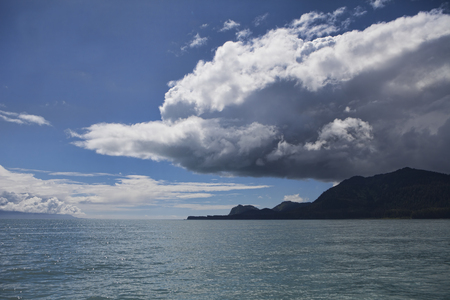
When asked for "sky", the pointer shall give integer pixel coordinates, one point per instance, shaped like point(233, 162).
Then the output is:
point(165, 109)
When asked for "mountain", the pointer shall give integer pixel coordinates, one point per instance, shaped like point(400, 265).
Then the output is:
point(405, 193)
point(23, 215)
point(237, 210)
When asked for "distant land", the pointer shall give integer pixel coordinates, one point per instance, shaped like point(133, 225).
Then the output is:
point(24, 215)
point(406, 193)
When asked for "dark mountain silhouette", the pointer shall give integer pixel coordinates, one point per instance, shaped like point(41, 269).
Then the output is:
point(237, 210)
point(405, 193)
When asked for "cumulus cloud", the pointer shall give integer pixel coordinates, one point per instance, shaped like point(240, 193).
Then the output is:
point(295, 198)
point(25, 202)
point(300, 102)
point(24, 192)
point(340, 133)
point(22, 118)
point(230, 24)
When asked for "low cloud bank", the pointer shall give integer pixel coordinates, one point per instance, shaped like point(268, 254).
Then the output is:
point(32, 204)
point(300, 102)
point(23, 192)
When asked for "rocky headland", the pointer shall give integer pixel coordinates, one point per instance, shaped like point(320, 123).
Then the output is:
point(405, 193)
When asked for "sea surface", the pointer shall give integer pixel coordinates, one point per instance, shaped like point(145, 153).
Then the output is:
point(224, 259)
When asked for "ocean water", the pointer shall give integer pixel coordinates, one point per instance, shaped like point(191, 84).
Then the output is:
point(258, 259)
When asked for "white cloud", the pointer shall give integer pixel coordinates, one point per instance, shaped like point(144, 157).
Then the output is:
point(295, 198)
point(378, 3)
point(32, 204)
point(318, 24)
point(24, 192)
point(198, 41)
point(340, 132)
point(70, 174)
point(359, 11)
point(276, 105)
point(33, 119)
point(239, 69)
point(348, 110)
point(243, 34)
point(230, 24)
point(80, 174)
point(22, 118)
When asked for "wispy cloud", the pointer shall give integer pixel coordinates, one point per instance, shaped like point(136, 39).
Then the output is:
point(359, 11)
point(20, 191)
point(230, 24)
point(78, 174)
point(198, 41)
point(22, 118)
point(243, 34)
point(260, 19)
point(68, 174)
point(318, 24)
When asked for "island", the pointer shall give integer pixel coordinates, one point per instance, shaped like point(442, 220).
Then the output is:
point(406, 193)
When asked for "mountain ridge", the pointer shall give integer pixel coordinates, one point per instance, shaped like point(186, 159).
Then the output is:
point(405, 193)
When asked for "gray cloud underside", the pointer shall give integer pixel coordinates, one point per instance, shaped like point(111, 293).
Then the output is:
point(362, 102)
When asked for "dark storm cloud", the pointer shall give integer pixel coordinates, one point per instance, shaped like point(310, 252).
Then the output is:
point(287, 105)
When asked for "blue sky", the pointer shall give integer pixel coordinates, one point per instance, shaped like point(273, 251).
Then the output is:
point(164, 109)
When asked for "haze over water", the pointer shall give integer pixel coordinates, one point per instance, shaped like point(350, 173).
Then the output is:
point(147, 259)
